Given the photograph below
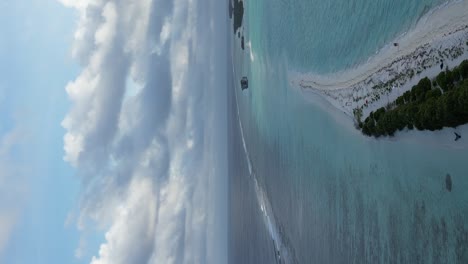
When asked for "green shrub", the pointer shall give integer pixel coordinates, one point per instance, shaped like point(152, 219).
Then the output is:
point(464, 69)
point(424, 107)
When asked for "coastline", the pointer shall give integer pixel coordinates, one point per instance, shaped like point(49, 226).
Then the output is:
point(440, 36)
point(439, 138)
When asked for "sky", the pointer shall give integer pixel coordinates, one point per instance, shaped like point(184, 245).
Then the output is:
point(113, 131)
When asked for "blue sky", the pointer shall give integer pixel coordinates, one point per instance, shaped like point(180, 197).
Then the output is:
point(113, 131)
point(36, 65)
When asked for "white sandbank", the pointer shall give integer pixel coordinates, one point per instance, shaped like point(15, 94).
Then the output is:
point(439, 36)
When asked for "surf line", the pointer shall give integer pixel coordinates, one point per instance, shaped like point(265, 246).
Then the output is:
point(281, 252)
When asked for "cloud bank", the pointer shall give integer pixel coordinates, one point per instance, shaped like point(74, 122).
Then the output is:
point(147, 128)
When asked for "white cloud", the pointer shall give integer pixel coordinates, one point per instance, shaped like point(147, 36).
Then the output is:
point(132, 233)
point(152, 164)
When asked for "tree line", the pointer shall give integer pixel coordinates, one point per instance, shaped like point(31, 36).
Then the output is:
point(429, 105)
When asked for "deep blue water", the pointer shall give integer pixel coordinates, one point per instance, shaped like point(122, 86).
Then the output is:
point(335, 195)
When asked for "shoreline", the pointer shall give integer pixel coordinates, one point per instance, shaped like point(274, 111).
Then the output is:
point(440, 36)
point(435, 139)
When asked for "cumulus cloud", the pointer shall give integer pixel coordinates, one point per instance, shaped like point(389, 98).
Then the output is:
point(152, 162)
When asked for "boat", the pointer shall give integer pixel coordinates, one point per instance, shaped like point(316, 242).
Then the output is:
point(244, 83)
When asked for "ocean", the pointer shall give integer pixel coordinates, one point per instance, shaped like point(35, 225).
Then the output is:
point(304, 185)
point(328, 36)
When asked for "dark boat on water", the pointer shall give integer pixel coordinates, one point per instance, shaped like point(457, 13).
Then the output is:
point(244, 83)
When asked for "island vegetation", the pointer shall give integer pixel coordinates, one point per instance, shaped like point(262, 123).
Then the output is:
point(236, 12)
point(429, 105)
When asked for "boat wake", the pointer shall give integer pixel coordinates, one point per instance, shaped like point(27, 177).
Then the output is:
point(281, 251)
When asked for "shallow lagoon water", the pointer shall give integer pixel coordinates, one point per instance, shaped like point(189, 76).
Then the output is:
point(336, 196)
point(327, 36)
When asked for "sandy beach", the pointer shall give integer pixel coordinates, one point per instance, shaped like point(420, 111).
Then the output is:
point(439, 37)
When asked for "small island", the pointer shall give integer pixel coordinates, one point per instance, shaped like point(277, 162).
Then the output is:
point(416, 81)
point(236, 12)
point(429, 105)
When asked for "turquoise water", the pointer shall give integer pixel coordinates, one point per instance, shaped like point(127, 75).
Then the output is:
point(337, 196)
point(326, 36)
